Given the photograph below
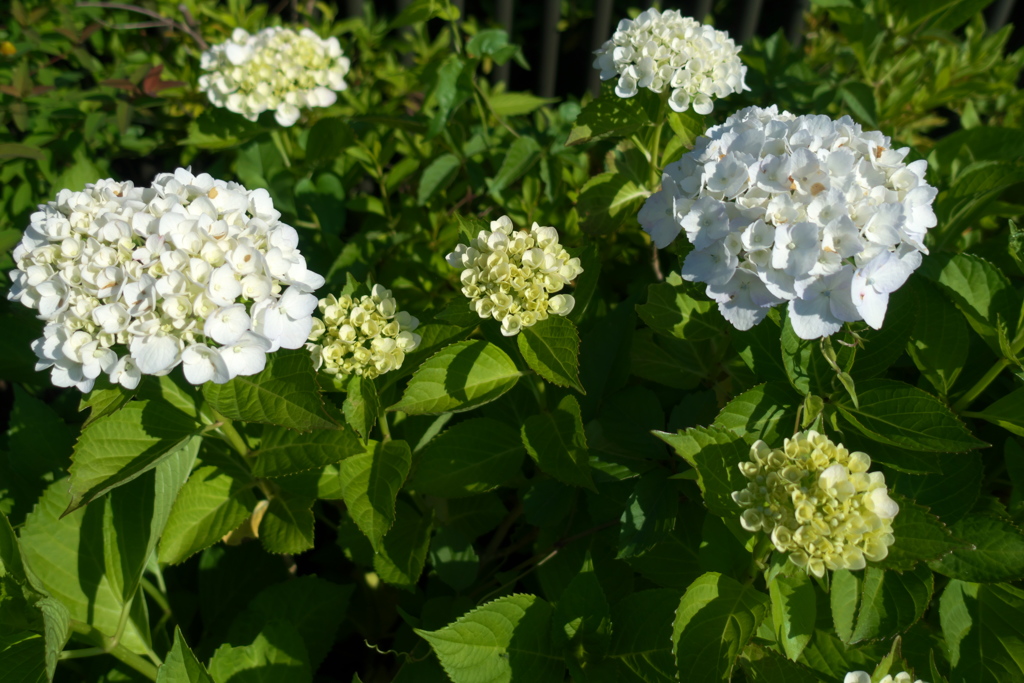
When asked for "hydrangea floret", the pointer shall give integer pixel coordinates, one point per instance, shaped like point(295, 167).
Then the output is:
point(364, 336)
point(865, 677)
point(276, 69)
point(134, 281)
point(515, 276)
point(800, 209)
point(818, 502)
point(666, 50)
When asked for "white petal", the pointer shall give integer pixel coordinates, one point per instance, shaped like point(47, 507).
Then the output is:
point(812, 318)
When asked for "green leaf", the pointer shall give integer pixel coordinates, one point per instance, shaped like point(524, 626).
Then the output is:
point(287, 525)
point(370, 484)
point(879, 603)
point(920, 537)
point(582, 622)
point(670, 310)
point(609, 116)
point(314, 607)
point(21, 657)
point(900, 415)
point(104, 399)
point(669, 361)
point(501, 641)
point(516, 160)
point(56, 631)
point(446, 91)
point(327, 140)
point(675, 561)
point(766, 412)
point(436, 177)
point(180, 665)
point(284, 394)
point(640, 648)
point(766, 666)
point(1007, 412)
point(471, 457)
point(517, 103)
point(459, 377)
point(806, 367)
point(608, 201)
point(277, 654)
point(403, 553)
point(65, 558)
point(881, 349)
point(860, 100)
point(716, 618)
point(552, 348)
point(10, 553)
point(557, 443)
point(940, 340)
point(453, 558)
point(38, 440)
point(997, 555)
point(982, 626)
point(950, 492)
point(759, 347)
point(361, 405)
point(650, 514)
point(124, 445)
point(285, 451)
point(1017, 244)
point(716, 454)
point(793, 603)
point(212, 503)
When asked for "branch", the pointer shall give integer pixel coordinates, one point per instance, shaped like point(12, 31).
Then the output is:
point(163, 21)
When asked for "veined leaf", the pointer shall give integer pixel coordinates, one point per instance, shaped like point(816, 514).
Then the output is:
point(997, 555)
point(982, 626)
point(608, 201)
point(286, 451)
point(920, 537)
point(370, 484)
point(471, 457)
point(650, 514)
point(557, 443)
point(766, 412)
point(181, 666)
point(1007, 412)
point(459, 377)
point(277, 654)
point(670, 310)
point(519, 157)
point(361, 405)
point(403, 553)
point(552, 347)
point(715, 453)
point(879, 603)
point(437, 176)
point(793, 605)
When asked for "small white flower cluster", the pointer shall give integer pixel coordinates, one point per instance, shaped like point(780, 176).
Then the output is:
point(865, 677)
point(132, 281)
point(514, 277)
point(802, 209)
point(819, 503)
point(276, 69)
point(367, 336)
point(659, 50)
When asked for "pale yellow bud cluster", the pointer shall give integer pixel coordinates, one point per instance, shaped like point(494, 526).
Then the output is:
point(514, 277)
point(819, 503)
point(865, 677)
point(364, 336)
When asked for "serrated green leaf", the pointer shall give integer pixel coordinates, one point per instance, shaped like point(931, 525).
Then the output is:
point(471, 457)
point(608, 201)
point(10, 553)
point(277, 654)
point(793, 605)
point(370, 484)
point(460, 377)
point(517, 160)
point(670, 310)
point(716, 454)
point(901, 415)
point(21, 657)
point(766, 412)
point(949, 494)
point(766, 666)
point(212, 503)
point(65, 557)
point(104, 399)
point(403, 554)
point(650, 514)
point(715, 620)
point(117, 448)
point(806, 367)
point(675, 561)
point(180, 665)
point(582, 622)
point(557, 443)
point(982, 627)
point(361, 405)
point(939, 342)
point(609, 116)
point(327, 139)
point(284, 394)
point(877, 603)
point(551, 348)
point(997, 553)
point(640, 648)
point(285, 451)
point(438, 175)
point(1007, 412)
point(669, 361)
point(453, 558)
point(287, 524)
point(501, 641)
point(56, 631)
point(760, 349)
point(920, 537)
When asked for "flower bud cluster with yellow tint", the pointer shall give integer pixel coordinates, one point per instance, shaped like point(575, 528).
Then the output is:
point(514, 277)
point(819, 503)
point(364, 336)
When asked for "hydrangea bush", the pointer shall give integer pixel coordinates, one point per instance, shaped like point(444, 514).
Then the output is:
point(715, 374)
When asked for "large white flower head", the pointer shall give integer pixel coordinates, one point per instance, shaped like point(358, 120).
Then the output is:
point(802, 209)
point(277, 69)
point(133, 281)
point(665, 50)
point(365, 336)
point(515, 276)
point(865, 677)
point(819, 503)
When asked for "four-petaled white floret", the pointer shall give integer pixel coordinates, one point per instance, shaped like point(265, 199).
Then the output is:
point(665, 50)
point(800, 209)
point(277, 69)
point(134, 281)
point(515, 276)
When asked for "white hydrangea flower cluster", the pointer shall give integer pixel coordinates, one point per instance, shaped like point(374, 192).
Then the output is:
point(819, 503)
point(132, 281)
point(275, 69)
point(802, 209)
point(366, 336)
point(865, 677)
point(659, 50)
point(514, 277)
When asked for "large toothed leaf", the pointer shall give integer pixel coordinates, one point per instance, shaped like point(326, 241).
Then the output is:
point(997, 553)
point(284, 394)
point(370, 483)
point(552, 349)
point(459, 377)
point(715, 453)
point(181, 666)
point(877, 603)
point(558, 444)
point(471, 457)
point(983, 629)
point(920, 537)
point(286, 451)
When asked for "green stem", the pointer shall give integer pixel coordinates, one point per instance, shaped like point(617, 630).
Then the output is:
point(231, 435)
point(382, 417)
point(279, 143)
point(158, 597)
point(107, 645)
point(964, 401)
